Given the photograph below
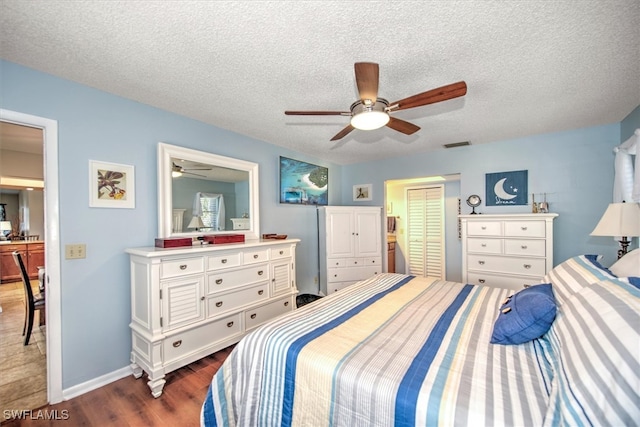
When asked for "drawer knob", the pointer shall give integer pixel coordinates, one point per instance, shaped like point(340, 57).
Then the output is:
point(253, 316)
point(483, 227)
point(219, 304)
point(335, 275)
point(286, 303)
point(355, 262)
point(255, 256)
point(218, 281)
point(183, 266)
point(523, 228)
point(481, 262)
point(202, 298)
point(527, 265)
point(224, 261)
point(484, 245)
point(523, 246)
point(281, 252)
point(230, 324)
point(481, 280)
point(260, 273)
point(177, 344)
point(261, 291)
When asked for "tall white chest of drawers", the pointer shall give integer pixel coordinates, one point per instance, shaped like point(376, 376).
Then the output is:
point(506, 251)
point(187, 303)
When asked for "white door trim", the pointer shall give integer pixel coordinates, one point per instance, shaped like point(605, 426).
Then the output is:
point(52, 247)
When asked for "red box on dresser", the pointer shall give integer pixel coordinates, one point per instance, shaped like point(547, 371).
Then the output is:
point(176, 242)
point(224, 238)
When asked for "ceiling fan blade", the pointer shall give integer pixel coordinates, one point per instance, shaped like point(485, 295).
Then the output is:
point(318, 113)
point(402, 126)
point(367, 77)
point(432, 96)
point(343, 133)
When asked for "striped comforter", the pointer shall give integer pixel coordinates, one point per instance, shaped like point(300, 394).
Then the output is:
point(391, 350)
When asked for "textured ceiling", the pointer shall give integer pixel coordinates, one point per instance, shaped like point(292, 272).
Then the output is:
point(531, 66)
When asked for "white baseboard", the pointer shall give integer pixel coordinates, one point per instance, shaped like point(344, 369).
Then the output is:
point(77, 390)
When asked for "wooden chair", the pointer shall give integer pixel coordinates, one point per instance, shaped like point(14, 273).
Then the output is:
point(32, 302)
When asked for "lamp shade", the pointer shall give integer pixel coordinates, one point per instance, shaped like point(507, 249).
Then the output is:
point(195, 222)
point(620, 219)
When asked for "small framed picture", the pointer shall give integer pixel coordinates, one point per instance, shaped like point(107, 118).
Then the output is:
point(111, 185)
point(362, 192)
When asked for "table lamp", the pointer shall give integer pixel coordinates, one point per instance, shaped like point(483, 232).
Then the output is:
point(620, 219)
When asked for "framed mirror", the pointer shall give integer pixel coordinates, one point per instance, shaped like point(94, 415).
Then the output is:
point(203, 193)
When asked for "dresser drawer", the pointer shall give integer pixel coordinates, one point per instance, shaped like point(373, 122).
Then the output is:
point(181, 267)
point(486, 246)
point(219, 304)
point(362, 262)
point(351, 274)
point(182, 344)
point(220, 261)
point(260, 315)
point(515, 283)
point(337, 262)
point(524, 247)
point(334, 287)
point(510, 265)
point(223, 280)
point(524, 228)
point(281, 252)
point(252, 257)
point(484, 228)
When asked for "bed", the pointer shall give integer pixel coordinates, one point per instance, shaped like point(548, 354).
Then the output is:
point(408, 351)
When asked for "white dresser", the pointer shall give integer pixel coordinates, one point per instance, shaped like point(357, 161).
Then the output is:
point(350, 245)
point(187, 303)
point(506, 251)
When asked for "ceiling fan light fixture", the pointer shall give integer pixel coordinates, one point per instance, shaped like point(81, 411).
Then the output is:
point(369, 117)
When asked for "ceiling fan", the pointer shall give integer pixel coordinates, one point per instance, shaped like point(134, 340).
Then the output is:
point(177, 170)
point(371, 112)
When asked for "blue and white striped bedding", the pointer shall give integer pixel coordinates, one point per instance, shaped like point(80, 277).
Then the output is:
point(391, 350)
point(397, 350)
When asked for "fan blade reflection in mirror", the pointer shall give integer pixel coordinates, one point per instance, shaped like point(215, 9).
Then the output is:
point(317, 113)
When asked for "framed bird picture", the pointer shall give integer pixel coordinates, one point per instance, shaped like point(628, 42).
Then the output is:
point(506, 188)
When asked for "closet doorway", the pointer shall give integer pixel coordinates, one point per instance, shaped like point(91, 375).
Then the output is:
point(423, 214)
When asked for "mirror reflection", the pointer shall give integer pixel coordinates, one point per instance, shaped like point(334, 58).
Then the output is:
point(204, 193)
point(206, 198)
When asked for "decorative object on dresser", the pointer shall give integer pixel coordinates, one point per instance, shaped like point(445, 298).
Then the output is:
point(350, 245)
point(620, 220)
point(187, 303)
point(507, 251)
point(176, 242)
point(474, 201)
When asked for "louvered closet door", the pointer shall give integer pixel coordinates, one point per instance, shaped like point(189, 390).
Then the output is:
point(425, 229)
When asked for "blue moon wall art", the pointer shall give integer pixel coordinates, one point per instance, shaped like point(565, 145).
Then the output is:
point(506, 188)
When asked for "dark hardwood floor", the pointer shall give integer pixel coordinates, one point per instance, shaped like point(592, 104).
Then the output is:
point(128, 402)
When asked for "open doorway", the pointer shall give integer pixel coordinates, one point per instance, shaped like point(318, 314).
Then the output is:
point(397, 214)
point(48, 233)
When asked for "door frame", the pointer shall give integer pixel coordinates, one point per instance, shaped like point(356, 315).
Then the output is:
point(52, 245)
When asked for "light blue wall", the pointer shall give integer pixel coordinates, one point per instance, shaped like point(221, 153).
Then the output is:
point(575, 167)
point(99, 126)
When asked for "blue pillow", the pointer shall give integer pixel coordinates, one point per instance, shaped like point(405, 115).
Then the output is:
point(525, 316)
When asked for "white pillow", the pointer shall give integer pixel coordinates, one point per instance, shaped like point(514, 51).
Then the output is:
point(628, 265)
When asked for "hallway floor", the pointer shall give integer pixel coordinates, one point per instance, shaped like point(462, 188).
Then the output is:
point(23, 369)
